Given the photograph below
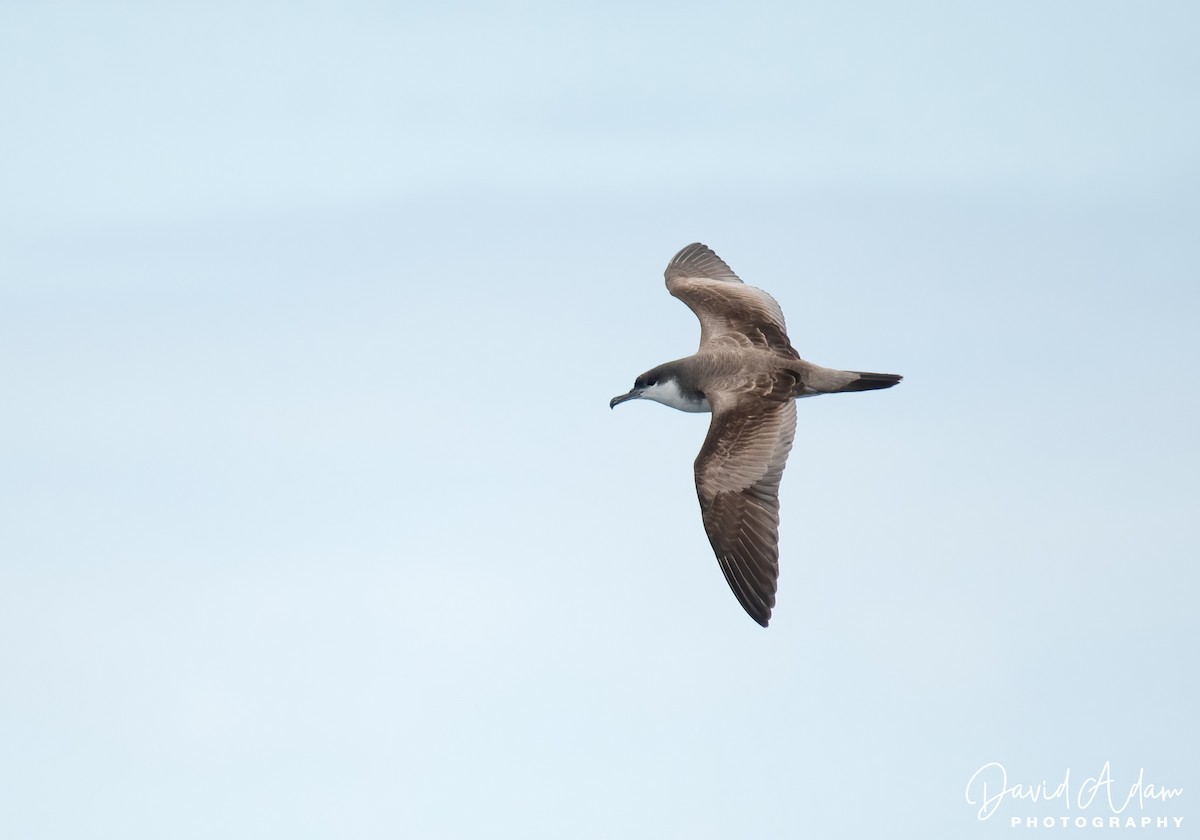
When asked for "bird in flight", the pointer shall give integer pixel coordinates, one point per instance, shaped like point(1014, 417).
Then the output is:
point(747, 375)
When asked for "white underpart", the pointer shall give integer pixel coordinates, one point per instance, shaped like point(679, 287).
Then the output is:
point(667, 392)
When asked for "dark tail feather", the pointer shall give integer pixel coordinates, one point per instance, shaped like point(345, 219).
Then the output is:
point(870, 381)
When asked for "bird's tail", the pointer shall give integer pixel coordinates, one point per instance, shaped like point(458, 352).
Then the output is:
point(869, 381)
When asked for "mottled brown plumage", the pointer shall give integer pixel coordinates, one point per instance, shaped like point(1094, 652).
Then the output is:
point(748, 375)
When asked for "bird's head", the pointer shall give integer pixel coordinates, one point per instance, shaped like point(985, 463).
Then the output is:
point(666, 384)
point(643, 388)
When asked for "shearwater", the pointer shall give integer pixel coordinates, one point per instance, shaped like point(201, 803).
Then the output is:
point(748, 376)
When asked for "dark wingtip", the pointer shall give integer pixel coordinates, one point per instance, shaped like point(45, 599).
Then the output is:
point(698, 260)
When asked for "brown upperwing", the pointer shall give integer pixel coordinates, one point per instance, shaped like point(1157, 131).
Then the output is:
point(730, 312)
point(737, 479)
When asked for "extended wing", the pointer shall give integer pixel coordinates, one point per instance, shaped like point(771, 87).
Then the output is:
point(730, 312)
point(737, 479)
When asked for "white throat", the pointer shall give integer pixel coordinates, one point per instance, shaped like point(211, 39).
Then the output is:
point(668, 393)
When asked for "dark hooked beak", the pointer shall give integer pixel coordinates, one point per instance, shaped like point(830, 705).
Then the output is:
point(632, 395)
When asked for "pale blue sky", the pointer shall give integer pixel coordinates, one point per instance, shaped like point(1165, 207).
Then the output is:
point(267, 570)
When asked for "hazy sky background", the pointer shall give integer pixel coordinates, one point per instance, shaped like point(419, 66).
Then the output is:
point(314, 520)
